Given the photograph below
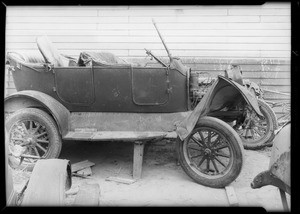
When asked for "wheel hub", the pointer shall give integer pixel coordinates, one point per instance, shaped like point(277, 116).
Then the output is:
point(30, 141)
point(207, 152)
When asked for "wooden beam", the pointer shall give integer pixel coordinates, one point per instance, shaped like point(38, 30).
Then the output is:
point(138, 153)
point(81, 165)
point(232, 199)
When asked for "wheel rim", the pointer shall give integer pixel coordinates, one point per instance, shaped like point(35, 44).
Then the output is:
point(208, 153)
point(32, 137)
point(254, 129)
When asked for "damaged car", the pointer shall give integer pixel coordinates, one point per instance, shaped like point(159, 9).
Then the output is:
point(101, 97)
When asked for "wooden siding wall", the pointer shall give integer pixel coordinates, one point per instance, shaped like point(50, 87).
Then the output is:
point(207, 38)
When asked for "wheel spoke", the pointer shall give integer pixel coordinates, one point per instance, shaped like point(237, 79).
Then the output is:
point(207, 164)
point(196, 156)
point(42, 148)
point(196, 141)
point(30, 124)
point(36, 152)
point(221, 147)
point(259, 126)
point(215, 165)
point(215, 141)
point(209, 138)
point(41, 134)
point(42, 141)
point(22, 134)
point(252, 132)
point(24, 127)
point(246, 132)
point(220, 161)
point(16, 138)
point(195, 149)
point(222, 155)
point(201, 161)
point(36, 129)
point(30, 160)
point(201, 136)
point(258, 132)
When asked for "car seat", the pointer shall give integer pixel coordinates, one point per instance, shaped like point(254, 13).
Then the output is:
point(51, 53)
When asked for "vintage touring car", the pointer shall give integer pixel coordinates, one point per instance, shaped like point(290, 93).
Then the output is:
point(101, 97)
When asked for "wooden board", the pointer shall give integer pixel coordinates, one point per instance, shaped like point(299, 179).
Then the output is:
point(232, 199)
point(120, 180)
point(81, 165)
point(138, 153)
point(85, 172)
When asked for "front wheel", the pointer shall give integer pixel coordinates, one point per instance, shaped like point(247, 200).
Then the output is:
point(212, 154)
point(34, 133)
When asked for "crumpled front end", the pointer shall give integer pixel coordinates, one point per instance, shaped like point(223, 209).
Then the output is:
point(223, 94)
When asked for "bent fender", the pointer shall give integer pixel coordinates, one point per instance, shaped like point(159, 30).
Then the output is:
point(222, 92)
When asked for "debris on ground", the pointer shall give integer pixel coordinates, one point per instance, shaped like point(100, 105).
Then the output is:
point(232, 199)
point(82, 169)
point(120, 180)
point(88, 195)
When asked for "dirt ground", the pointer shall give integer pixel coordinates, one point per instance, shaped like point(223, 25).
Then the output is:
point(163, 182)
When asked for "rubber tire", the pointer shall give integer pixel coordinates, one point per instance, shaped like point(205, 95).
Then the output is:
point(238, 155)
point(55, 142)
point(270, 116)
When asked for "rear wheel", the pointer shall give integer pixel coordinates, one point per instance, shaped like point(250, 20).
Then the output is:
point(212, 154)
point(256, 132)
point(32, 135)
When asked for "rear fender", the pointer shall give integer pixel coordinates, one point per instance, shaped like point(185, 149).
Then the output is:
point(36, 99)
point(222, 93)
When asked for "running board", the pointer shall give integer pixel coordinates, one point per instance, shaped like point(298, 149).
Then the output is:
point(117, 135)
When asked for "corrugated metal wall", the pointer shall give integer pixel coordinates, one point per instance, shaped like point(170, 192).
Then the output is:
point(207, 38)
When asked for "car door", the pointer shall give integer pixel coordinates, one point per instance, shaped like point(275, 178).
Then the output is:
point(150, 86)
point(75, 85)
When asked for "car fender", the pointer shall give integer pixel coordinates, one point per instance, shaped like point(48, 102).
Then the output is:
point(221, 92)
point(36, 99)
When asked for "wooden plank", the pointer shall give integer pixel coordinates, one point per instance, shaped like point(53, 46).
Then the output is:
point(50, 26)
point(197, 19)
point(231, 196)
point(275, 54)
point(61, 19)
point(120, 180)
point(218, 33)
point(203, 53)
point(138, 152)
point(22, 11)
point(150, 39)
point(81, 165)
point(85, 172)
point(276, 19)
point(263, 11)
point(193, 26)
point(157, 46)
point(151, 11)
point(88, 195)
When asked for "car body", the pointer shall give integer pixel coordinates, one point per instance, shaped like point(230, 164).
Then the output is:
point(100, 97)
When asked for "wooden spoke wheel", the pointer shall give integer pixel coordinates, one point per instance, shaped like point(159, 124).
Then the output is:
point(257, 132)
point(212, 153)
point(32, 135)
